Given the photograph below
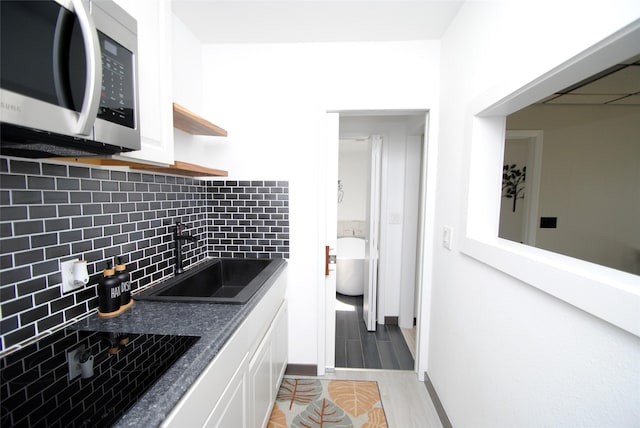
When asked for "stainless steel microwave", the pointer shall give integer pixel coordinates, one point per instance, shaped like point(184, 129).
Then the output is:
point(68, 78)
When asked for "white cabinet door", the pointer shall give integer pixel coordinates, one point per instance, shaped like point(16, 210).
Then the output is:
point(260, 391)
point(231, 409)
point(279, 349)
point(154, 80)
point(266, 369)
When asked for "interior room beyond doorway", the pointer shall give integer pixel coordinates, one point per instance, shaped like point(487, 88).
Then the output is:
point(399, 204)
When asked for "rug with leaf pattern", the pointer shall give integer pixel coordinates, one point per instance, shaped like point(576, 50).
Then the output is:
point(314, 403)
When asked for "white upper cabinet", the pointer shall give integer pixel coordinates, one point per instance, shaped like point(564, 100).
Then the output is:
point(155, 93)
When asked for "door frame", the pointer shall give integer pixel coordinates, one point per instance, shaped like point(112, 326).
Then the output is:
point(326, 327)
point(532, 184)
point(412, 233)
point(327, 240)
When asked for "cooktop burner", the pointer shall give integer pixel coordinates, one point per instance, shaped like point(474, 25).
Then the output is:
point(75, 378)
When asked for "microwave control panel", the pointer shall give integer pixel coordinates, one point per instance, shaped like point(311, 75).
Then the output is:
point(117, 96)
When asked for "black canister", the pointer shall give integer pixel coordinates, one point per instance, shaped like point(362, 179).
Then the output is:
point(108, 292)
point(125, 282)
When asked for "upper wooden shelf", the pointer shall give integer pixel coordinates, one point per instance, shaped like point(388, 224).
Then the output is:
point(187, 121)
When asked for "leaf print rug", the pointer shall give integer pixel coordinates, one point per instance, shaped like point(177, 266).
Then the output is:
point(314, 403)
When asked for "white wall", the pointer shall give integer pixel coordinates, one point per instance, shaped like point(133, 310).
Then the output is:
point(502, 353)
point(352, 172)
point(187, 78)
point(187, 66)
point(273, 99)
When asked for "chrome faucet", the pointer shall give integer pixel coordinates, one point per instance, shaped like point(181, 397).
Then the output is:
point(178, 237)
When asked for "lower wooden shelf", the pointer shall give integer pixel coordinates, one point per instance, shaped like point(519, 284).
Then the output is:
point(185, 168)
point(178, 167)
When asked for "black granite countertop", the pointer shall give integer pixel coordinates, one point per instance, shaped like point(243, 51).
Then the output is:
point(214, 323)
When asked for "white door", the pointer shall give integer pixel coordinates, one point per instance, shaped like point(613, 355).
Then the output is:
point(411, 231)
point(369, 302)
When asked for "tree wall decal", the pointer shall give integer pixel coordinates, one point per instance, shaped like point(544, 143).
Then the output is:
point(513, 182)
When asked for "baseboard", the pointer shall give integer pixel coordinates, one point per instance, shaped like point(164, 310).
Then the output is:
point(442, 414)
point(391, 320)
point(302, 369)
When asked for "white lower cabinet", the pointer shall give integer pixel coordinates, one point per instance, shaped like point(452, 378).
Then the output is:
point(266, 370)
point(231, 408)
point(239, 387)
point(279, 351)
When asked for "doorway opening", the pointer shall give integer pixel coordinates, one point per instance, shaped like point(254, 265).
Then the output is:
point(521, 186)
point(377, 239)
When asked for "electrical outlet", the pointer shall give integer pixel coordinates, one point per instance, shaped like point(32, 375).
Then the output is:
point(447, 237)
point(73, 362)
point(66, 269)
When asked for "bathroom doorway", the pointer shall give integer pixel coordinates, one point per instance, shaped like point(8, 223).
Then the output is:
point(388, 346)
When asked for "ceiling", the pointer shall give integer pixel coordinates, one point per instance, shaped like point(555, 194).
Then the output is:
point(617, 85)
point(302, 21)
point(299, 21)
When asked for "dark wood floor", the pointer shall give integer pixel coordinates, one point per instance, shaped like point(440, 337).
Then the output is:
point(358, 348)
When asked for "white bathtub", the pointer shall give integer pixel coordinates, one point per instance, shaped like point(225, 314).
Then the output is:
point(350, 266)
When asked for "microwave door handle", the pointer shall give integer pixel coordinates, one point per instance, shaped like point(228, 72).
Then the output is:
point(91, 101)
point(61, 43)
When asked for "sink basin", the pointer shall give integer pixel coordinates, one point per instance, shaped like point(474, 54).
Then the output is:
point(216, 281)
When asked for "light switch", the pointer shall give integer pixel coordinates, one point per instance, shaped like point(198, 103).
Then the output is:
point(395, 218)
point(447, 237)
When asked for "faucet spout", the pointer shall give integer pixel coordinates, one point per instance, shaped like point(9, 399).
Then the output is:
point(179, 237)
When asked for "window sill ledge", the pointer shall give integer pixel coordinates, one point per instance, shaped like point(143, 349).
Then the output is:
point(609, 294)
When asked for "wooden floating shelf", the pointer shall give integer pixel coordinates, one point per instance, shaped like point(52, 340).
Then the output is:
point(189, 122)
point(178, 167)
point(185, 168)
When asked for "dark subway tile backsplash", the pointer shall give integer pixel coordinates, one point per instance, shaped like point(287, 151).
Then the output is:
point(53, 212)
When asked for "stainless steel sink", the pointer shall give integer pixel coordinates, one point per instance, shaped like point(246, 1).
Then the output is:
point(216, 281)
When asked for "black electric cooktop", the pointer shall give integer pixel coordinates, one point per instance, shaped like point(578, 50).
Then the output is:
point(43, 384)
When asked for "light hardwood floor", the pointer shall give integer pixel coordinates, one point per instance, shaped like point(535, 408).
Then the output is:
point(404, 398)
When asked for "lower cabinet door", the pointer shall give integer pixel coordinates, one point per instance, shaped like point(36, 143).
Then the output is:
point(231, 409)
point(266, 369)
point(260, 392)
point(279, 349)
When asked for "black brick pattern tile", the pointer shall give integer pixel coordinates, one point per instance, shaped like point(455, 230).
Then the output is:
point(249, 219)
point(52, 212)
